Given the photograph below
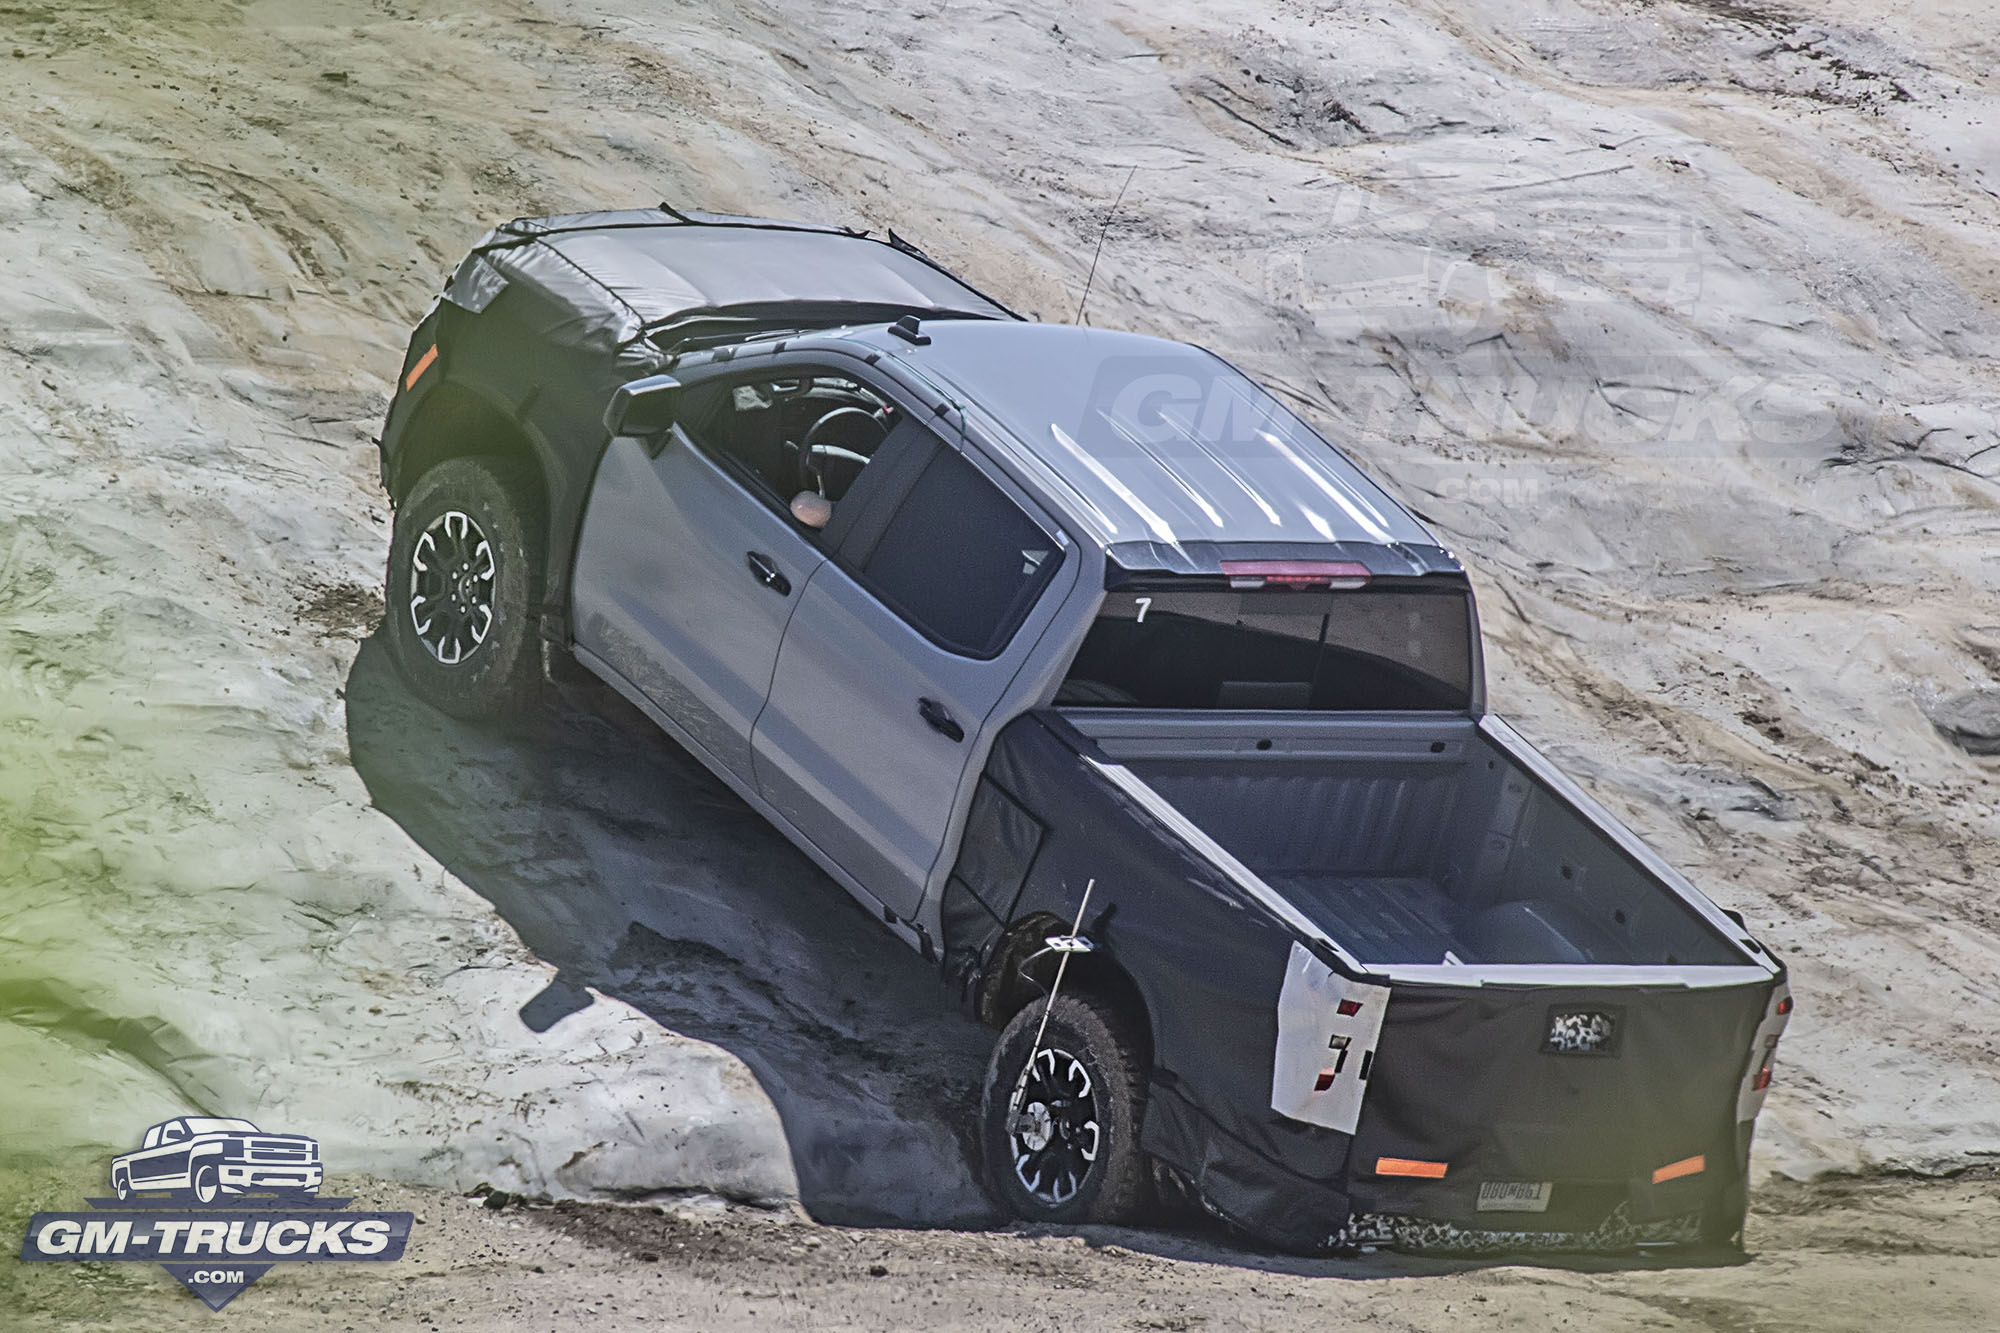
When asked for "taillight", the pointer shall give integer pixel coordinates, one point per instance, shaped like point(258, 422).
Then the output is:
point(1763, 1079)
point(1334, 574)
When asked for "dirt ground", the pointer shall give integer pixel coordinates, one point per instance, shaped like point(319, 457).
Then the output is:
point(1679, 320)
point(1858, 1255)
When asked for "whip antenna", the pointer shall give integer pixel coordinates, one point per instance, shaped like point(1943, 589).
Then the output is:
point(1106, 231)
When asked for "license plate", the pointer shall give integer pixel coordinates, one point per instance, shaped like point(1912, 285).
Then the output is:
point(1515, 1196)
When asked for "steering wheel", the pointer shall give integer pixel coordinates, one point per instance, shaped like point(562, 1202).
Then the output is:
point(836, 448)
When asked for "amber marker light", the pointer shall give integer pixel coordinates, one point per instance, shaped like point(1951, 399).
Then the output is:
point(1687, 1166)
point(423, 364)
point(1404, 1166)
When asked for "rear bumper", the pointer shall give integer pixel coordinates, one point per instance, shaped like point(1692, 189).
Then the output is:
point(1278, 1191)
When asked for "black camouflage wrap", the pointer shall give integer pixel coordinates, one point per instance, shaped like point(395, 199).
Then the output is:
point(1462, 1076)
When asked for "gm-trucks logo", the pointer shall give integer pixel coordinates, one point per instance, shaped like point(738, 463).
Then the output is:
point(216, 1203)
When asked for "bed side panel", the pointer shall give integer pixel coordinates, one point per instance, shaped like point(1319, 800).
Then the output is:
point(1208, 960)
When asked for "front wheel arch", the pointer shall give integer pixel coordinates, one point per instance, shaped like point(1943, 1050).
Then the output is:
point(457, 422)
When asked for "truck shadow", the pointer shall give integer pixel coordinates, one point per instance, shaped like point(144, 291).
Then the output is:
point(622, 862)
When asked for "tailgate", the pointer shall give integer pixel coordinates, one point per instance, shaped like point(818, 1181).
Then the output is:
point(1563, 1101)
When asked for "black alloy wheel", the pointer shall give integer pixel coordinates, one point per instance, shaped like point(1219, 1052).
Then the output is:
point(1055, 1135)
point(1060, 1131)
point(464, 565)
point(451, 587)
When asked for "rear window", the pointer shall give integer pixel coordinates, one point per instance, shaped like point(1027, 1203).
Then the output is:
point(1210, 647)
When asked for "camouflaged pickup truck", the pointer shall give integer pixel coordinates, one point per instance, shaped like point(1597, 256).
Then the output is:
point(1089, 668)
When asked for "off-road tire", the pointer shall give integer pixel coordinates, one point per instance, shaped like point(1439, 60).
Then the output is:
point(1118, 1184)
point(501, 673)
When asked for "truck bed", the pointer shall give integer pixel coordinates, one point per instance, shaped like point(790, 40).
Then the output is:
point(1412, 839)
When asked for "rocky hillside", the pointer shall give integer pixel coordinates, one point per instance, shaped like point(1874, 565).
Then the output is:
point(1677, 319)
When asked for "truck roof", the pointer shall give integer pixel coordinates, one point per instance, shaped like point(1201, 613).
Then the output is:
point(1160, 450)
point(1162, 443)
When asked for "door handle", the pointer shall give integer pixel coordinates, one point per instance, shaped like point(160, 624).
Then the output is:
point(940, 719)
point(768, 574)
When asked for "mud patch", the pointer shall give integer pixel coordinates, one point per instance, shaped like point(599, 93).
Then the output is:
point(346, 610)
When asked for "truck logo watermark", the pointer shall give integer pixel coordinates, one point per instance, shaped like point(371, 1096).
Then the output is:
point(216, 1202)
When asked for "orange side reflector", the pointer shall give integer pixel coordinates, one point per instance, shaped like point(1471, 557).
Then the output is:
point(1690, 1166)
point(423, 364)
point(1403, 1166)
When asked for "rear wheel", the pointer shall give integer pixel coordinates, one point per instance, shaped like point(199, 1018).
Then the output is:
point(1060, 1132)
point(463, 566)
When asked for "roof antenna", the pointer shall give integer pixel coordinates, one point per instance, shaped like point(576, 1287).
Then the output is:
point(1100, 241)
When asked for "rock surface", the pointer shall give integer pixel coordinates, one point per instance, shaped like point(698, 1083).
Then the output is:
point(1679, 324)
point(1971, 720)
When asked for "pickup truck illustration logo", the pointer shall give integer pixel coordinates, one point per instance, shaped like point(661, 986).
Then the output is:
point(205, 1158)
point(216, 1202)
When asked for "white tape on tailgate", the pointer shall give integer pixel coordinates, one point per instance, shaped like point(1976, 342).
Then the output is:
point(1327, 1031)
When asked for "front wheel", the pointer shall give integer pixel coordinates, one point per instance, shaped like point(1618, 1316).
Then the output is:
point(1060, 1132)
point(207, 1185)
point(463, 565)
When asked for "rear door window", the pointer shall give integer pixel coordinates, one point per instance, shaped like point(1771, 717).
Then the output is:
point(1202, 646)
point(958, 559)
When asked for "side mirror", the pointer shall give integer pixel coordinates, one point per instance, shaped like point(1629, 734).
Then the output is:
point(643, 408)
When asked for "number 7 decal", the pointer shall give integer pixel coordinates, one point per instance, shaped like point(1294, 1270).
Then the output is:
point(1145, 605)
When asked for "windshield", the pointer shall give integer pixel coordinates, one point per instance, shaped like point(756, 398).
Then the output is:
point(1206, 647)
point(210, 1125)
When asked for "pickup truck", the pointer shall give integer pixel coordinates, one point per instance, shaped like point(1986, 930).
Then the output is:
point(208, 1157)
point(1115, 690)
